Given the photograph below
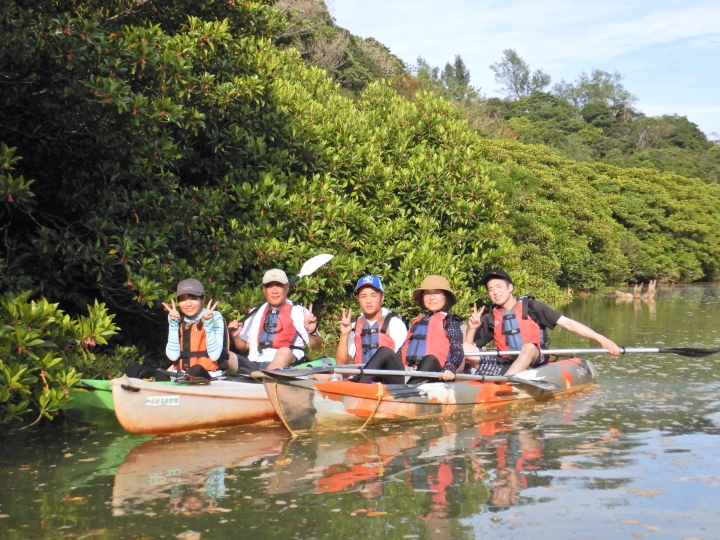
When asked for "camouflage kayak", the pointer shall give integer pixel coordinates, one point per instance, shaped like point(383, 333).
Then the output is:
point(305, 404)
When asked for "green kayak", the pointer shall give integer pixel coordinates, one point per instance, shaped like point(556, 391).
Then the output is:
point(92, 403)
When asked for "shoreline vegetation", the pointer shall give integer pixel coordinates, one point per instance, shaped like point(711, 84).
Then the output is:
point(143, 143)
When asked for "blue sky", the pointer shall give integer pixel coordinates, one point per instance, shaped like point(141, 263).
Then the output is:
point(668, 51)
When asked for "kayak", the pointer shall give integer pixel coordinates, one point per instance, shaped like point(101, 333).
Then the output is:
point(167, 407)
point(305, 404)
point(92, 403)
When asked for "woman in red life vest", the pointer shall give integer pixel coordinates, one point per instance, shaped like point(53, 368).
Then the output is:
point(435, 340)
point(376, 335)
point(197, 335)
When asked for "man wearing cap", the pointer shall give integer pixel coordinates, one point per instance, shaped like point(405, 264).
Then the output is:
point(518, 324)
point(197, 334)
point(375, 330)
point(276, 332)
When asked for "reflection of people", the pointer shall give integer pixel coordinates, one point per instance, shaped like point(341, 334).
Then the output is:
point(518, 325)
point(376, 335)
point(197, 334)
point(513, 457)
point(192, 504)
point(276, 333)
point(505, 486)
point(194, 501)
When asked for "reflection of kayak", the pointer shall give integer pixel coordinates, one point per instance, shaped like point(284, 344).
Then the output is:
point(306, 404)
point(166, 407)
point(92, 403)
point(190, 461)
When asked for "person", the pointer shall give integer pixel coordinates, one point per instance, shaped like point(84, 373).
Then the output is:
point(518, 324)
point(377, 332)
point(275, 334)
point(434, 341)
point(197, 335)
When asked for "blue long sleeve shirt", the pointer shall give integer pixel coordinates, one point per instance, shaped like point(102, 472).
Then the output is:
point(214, 331)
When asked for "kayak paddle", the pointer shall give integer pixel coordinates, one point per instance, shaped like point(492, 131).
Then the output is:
point(682, 351)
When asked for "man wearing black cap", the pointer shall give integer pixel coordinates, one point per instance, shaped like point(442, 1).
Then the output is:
point(518, 324)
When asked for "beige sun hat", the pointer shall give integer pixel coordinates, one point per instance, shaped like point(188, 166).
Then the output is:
point(435, 283)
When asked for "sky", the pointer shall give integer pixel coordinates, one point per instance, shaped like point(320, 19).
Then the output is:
point(668, 51)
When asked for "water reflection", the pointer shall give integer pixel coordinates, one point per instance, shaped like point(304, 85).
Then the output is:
point(636, 456)
point(190, 470)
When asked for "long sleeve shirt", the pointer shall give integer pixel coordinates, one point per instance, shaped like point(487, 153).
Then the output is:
point(214, 333)
point(456, 355)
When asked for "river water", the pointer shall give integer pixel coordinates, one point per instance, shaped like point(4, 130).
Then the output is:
point(636, 456)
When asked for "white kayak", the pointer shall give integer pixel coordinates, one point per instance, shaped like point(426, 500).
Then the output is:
point(166, 407)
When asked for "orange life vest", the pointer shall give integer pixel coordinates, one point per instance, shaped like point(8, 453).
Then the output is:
point(281, 333)
point(193, 347)
point(426, 336)
point(369, 339)
point(529, 330)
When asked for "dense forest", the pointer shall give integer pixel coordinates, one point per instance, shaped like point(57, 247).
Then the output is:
point(145, 142)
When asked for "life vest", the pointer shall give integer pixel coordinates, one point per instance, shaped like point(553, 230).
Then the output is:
point(276, 328)
point(369, 339)
point(529, 330)
point(426, 336)
point(193, 348)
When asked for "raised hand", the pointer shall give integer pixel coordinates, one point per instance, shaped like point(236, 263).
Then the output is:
point(346, 322)
point(474, 321)
point(210, 309)
point(310, 320)
point(234, 329)
point(173, 313)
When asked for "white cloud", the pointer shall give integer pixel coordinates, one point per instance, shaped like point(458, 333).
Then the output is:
point(652, 42)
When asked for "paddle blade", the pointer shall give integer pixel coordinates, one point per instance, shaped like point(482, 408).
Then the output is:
point(690, 352)
point(311, 265)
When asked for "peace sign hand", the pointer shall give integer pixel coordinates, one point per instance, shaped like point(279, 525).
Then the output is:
point(346, 322)
point(310, 320)
point(210, 309)
point(173, 313)
point(234, 328)
point(474, 321)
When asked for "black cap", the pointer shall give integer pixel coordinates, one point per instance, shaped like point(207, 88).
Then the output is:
point(496, 274)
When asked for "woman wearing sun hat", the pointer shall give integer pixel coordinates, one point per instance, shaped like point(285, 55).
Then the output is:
point(435, 340)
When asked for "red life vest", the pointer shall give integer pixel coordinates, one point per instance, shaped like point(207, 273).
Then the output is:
point(426, 336)
point(529, 330)
point(281, 333)
point(193, 347)
point(374, 337)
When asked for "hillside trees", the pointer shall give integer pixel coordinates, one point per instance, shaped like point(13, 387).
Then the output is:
point(592, 119)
